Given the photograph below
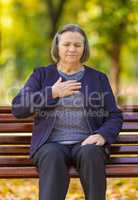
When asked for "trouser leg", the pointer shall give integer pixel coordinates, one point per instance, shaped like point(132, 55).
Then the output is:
point(52, 162)
point(90, 163)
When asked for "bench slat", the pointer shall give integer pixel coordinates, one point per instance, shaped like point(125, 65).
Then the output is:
point(9, 118)
point(124, 150)
point(15, 127)
point(124, 139)
point(15, 161)
point(18, 161)
point(130, 117)
point(27, 127)
point(24, 150)
point(21, 139)
point(5, 109)
point(14, 150)
point(130, 126)
point(124, 160)
point(129, 108)
point(31, 172)
point(124, 108)
point(15, 139)
point(127, 170)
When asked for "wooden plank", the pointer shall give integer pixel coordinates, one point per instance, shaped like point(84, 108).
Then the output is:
point(9, 118)
point(130, 127)
point(31, 172)
point(124, 160)
point(18, 172)
point(124, 149)
point(126, 139)
point(24, 150)
point(14, 150)
point(15, 139)
point(19, 161)
point(5, 109)
point(15, 127)
point(129, 108)
point(127, 170)
point(130, 117)
point(125, 108)
point(21, 139)
point(27, 127)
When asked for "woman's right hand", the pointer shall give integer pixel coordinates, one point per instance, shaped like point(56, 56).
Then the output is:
point(66, 88)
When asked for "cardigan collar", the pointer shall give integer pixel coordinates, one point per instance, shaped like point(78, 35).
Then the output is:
point(55, 74)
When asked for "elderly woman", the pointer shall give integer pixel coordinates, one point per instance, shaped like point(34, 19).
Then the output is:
point(76, 118)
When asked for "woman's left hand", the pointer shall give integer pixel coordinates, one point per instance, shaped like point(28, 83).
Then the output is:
point(94, 139)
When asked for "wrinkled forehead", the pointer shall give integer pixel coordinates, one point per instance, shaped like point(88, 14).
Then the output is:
point(69, 36)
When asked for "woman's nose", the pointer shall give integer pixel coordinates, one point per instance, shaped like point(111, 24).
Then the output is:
point(72, 48)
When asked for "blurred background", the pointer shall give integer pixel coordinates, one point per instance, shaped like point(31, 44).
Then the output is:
point(26, 32)
point(27, 29)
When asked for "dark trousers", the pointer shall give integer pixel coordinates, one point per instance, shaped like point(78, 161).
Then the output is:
point(53, 161)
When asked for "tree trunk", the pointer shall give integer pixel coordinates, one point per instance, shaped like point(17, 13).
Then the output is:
point(55, 13)
point(115, 68)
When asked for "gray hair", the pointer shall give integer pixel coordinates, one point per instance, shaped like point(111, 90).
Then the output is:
point(72, 28)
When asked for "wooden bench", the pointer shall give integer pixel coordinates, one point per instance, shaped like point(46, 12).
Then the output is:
point(15, 136)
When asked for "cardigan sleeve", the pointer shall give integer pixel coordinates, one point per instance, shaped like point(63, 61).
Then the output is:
point(112, 123)
point(32, 96)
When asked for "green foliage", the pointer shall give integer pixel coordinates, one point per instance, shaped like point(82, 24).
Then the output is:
point(26, 27)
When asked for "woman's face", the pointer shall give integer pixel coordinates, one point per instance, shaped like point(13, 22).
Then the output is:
point(71, 46)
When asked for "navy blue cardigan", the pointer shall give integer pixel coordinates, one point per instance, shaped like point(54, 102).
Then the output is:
point(100, 107)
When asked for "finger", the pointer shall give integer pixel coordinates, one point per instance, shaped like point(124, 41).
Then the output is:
point(73, 87)
point(59, 80)
point(93, 138)
point(83, 143)
point(77, 87)
point(72, 84)
point(86, 141)
point(98, 143)
point(75, 92)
